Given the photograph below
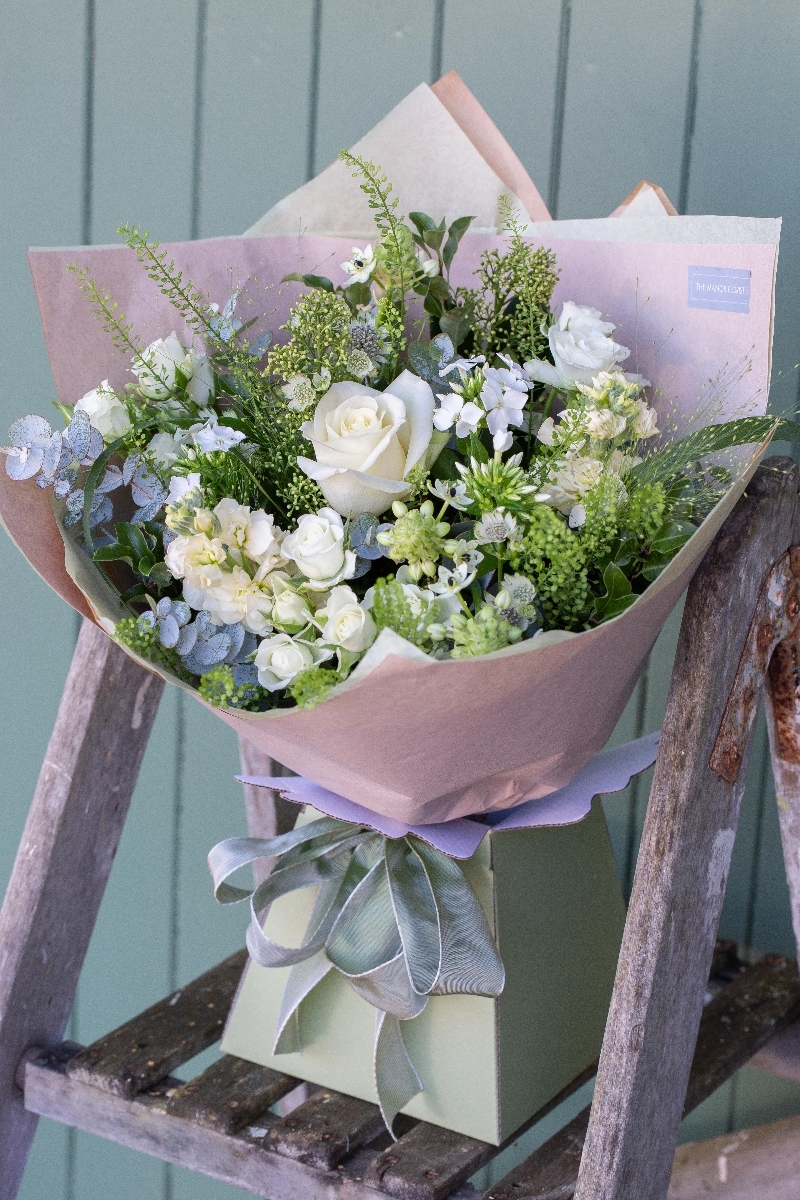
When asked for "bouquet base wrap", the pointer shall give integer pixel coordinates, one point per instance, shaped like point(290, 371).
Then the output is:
point(553, 902)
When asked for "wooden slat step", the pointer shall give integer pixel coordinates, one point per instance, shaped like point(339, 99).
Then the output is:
point(428, 1163)
point(735, 1024)
point(326, 1129)
point(229, 1094)
point(144, 1050)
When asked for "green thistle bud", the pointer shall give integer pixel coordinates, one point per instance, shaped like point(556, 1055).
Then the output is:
point(488, 631)
point(416, 538)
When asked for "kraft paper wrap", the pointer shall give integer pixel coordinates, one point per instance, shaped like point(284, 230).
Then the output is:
point(406, 736)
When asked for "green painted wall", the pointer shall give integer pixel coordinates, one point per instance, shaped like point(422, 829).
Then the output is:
point(191, 117)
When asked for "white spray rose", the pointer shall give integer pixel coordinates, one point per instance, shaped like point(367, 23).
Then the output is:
point(366, 442)
point(161, 360)
point(580, 346)
point(280, 658)
point(201, 383)
point(345, 623)
point(105, 411)
point(317, 546)
point(290, 611)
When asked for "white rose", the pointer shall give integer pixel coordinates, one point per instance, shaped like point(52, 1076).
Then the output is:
point(580, 347)
point(161, 360)
point(602, 423)
point(105, 411)
point(345, 623)
point(280, 658)
point(289, 609)
point(317, 546)
point(645, 423)
point(367, 441)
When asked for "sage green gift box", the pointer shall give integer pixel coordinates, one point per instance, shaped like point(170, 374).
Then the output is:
point(553, 900)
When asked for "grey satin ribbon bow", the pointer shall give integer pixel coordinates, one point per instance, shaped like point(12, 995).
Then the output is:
point(397, 918)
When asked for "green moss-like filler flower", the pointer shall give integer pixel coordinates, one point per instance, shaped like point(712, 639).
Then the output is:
point(601, 528)
point(492, 485)
point(643, 514)
point(416, 537)
point(392, 609)
point(218, 688)
point(552, 556)
point(482, 634)
point(512, 304)
point(143, 638)
point(319, 328)
point(310, 687)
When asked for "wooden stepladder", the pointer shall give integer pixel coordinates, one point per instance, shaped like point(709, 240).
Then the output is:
point(663, 1051)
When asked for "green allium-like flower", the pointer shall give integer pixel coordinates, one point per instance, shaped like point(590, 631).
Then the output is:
point(218, 688)
point(309, 688)
point(416, 537)
point(552, 556)
point(482, 634)
point(392, 609)
point(644, 512)
point(497, 484)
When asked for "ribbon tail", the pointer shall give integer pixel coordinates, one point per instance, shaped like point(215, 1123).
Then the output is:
point(396, 1078)
point(303, 978)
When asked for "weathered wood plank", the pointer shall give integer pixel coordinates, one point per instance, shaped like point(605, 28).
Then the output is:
point(762, 1162)
point(229, 1094)
point(325, 1130)
point(62, 866)
point(740, 1019)
point(428, 1163)
point(145, 1049)
point(144, 1124)
point(683, 863)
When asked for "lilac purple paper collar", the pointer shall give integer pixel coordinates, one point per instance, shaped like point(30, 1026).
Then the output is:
point(608, 771)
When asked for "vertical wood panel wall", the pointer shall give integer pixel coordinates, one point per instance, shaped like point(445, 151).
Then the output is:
point(190, 118)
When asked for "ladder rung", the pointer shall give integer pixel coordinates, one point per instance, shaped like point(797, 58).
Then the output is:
point(229, 1094)
point(326, 1129)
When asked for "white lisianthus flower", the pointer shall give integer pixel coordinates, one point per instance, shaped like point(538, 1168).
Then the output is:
point(361, 265)
point(280, 658)
point(212, 436)
point(344, 622)
point(105, 411)
point(157, 367)
point(253, 532)
point(428, 266)
point(580, 346)
point(645, 423)
point(179, 485)
point(454, 410)
point(571, 480)
point(317, 547)
point(201, 383)
point(366, 442)
point(602, 423)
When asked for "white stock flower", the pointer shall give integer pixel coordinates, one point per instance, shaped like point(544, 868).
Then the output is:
point(645, 423)
point(367, 441)
point(280, 658)
point(253, 532)
point(454, 410)
point(344, 622)
point(157, 367)
point(211, 436)
point(196, 560)
point(602, 423)
point(317, 547)
point(580, 346)
point(234, 596)
point(361, 265)
point(105, 411)
point(570, 481)
point(179, 485)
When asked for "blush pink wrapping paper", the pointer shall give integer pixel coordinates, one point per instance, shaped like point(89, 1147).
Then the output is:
point(414, 739)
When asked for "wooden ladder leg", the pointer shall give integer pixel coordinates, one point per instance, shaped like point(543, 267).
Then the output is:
point(63, 862)
point(683, 862)
point(782, 704)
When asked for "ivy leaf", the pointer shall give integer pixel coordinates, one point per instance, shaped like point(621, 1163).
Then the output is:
point(670, 537)
point(618, 597)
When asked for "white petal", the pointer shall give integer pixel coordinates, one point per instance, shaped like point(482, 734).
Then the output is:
point(417, 396)
point(543, 372)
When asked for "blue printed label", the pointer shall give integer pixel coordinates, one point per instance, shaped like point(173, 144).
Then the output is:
point(725, 289)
